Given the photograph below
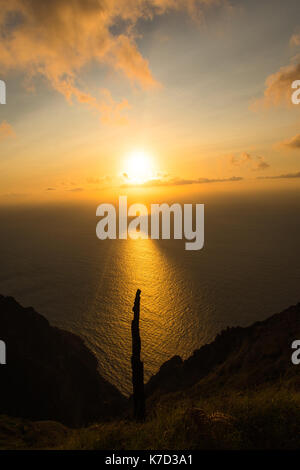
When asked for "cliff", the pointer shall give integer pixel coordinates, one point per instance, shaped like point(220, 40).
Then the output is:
point(238, 358)
point(50, 374)
point(239, 392)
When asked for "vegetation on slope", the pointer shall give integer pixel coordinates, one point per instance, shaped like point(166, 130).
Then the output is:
point(263, 419)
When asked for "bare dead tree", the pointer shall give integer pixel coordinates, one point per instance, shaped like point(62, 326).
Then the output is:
point(139, 409)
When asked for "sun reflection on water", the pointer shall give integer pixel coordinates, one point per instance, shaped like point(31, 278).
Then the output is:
point(166, 324)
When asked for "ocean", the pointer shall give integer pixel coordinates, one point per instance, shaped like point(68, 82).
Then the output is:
point(248, 269)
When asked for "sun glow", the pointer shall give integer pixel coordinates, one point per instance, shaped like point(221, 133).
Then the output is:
point(138, 168)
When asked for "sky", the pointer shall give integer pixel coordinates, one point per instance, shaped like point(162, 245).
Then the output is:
point(115, 96)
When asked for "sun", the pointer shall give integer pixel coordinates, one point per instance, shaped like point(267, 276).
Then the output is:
point(138, 168)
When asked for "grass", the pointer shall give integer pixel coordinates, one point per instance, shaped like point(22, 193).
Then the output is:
point(265, 419)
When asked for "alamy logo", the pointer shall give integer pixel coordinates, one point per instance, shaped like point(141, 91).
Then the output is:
point(2, 352)
point(295, 358)
point(139, 226)
point(2, 92)
point(296, 94)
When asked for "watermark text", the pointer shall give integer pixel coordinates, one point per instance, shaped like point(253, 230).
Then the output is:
point(2, 92)
point(2, 352)
point(160, 218)
point(296, 94)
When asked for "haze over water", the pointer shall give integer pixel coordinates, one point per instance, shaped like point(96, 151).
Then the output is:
point(248, 269)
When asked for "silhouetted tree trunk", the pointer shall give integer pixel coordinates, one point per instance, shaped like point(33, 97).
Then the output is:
point(139, 411)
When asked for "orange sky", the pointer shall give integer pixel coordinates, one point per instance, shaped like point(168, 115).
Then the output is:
point(199, 89)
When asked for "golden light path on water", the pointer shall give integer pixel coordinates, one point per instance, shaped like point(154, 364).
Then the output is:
point(88, 286)
point(167, 321)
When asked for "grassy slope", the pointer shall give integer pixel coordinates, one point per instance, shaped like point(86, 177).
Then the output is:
point(265, 419)
point(239, 392)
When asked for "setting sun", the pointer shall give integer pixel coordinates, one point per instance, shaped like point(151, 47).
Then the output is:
point(149, 172)
point(139, 167)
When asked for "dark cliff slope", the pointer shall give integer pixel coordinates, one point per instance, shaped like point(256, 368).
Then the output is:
point(50, 373)
point(239, 358)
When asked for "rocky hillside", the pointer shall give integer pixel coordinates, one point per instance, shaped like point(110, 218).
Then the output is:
point(238, 358)
point(239, 392)
point(50, 374)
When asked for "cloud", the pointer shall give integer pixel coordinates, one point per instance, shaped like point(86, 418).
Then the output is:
point(240, 159)
point(75, 190)
point(97, 183)
point(181, 182)
point(278, 86)
point(16, 195)
point(92, 180)
point(293, 143)
point(278, 89)
point(98, 180)
point(6, 131)
point(126, 57)
point(260, 164)
point(57, 39)
point(111, 111)
point(255, 162)
point(286, 176)
point(295, 40)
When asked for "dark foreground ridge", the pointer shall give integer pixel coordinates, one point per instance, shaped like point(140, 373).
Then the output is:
point(239, 392)
point(238, 359)
point(50, 373)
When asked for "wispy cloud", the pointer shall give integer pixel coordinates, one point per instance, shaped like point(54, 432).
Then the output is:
point(92, 180)
point(278, 85)
point(293, 143)
point(57, 39)
point(295, 40)
point(181, 182)
point(75, 190)
point(255, 162)
point(6, 130)
point(284, 176)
